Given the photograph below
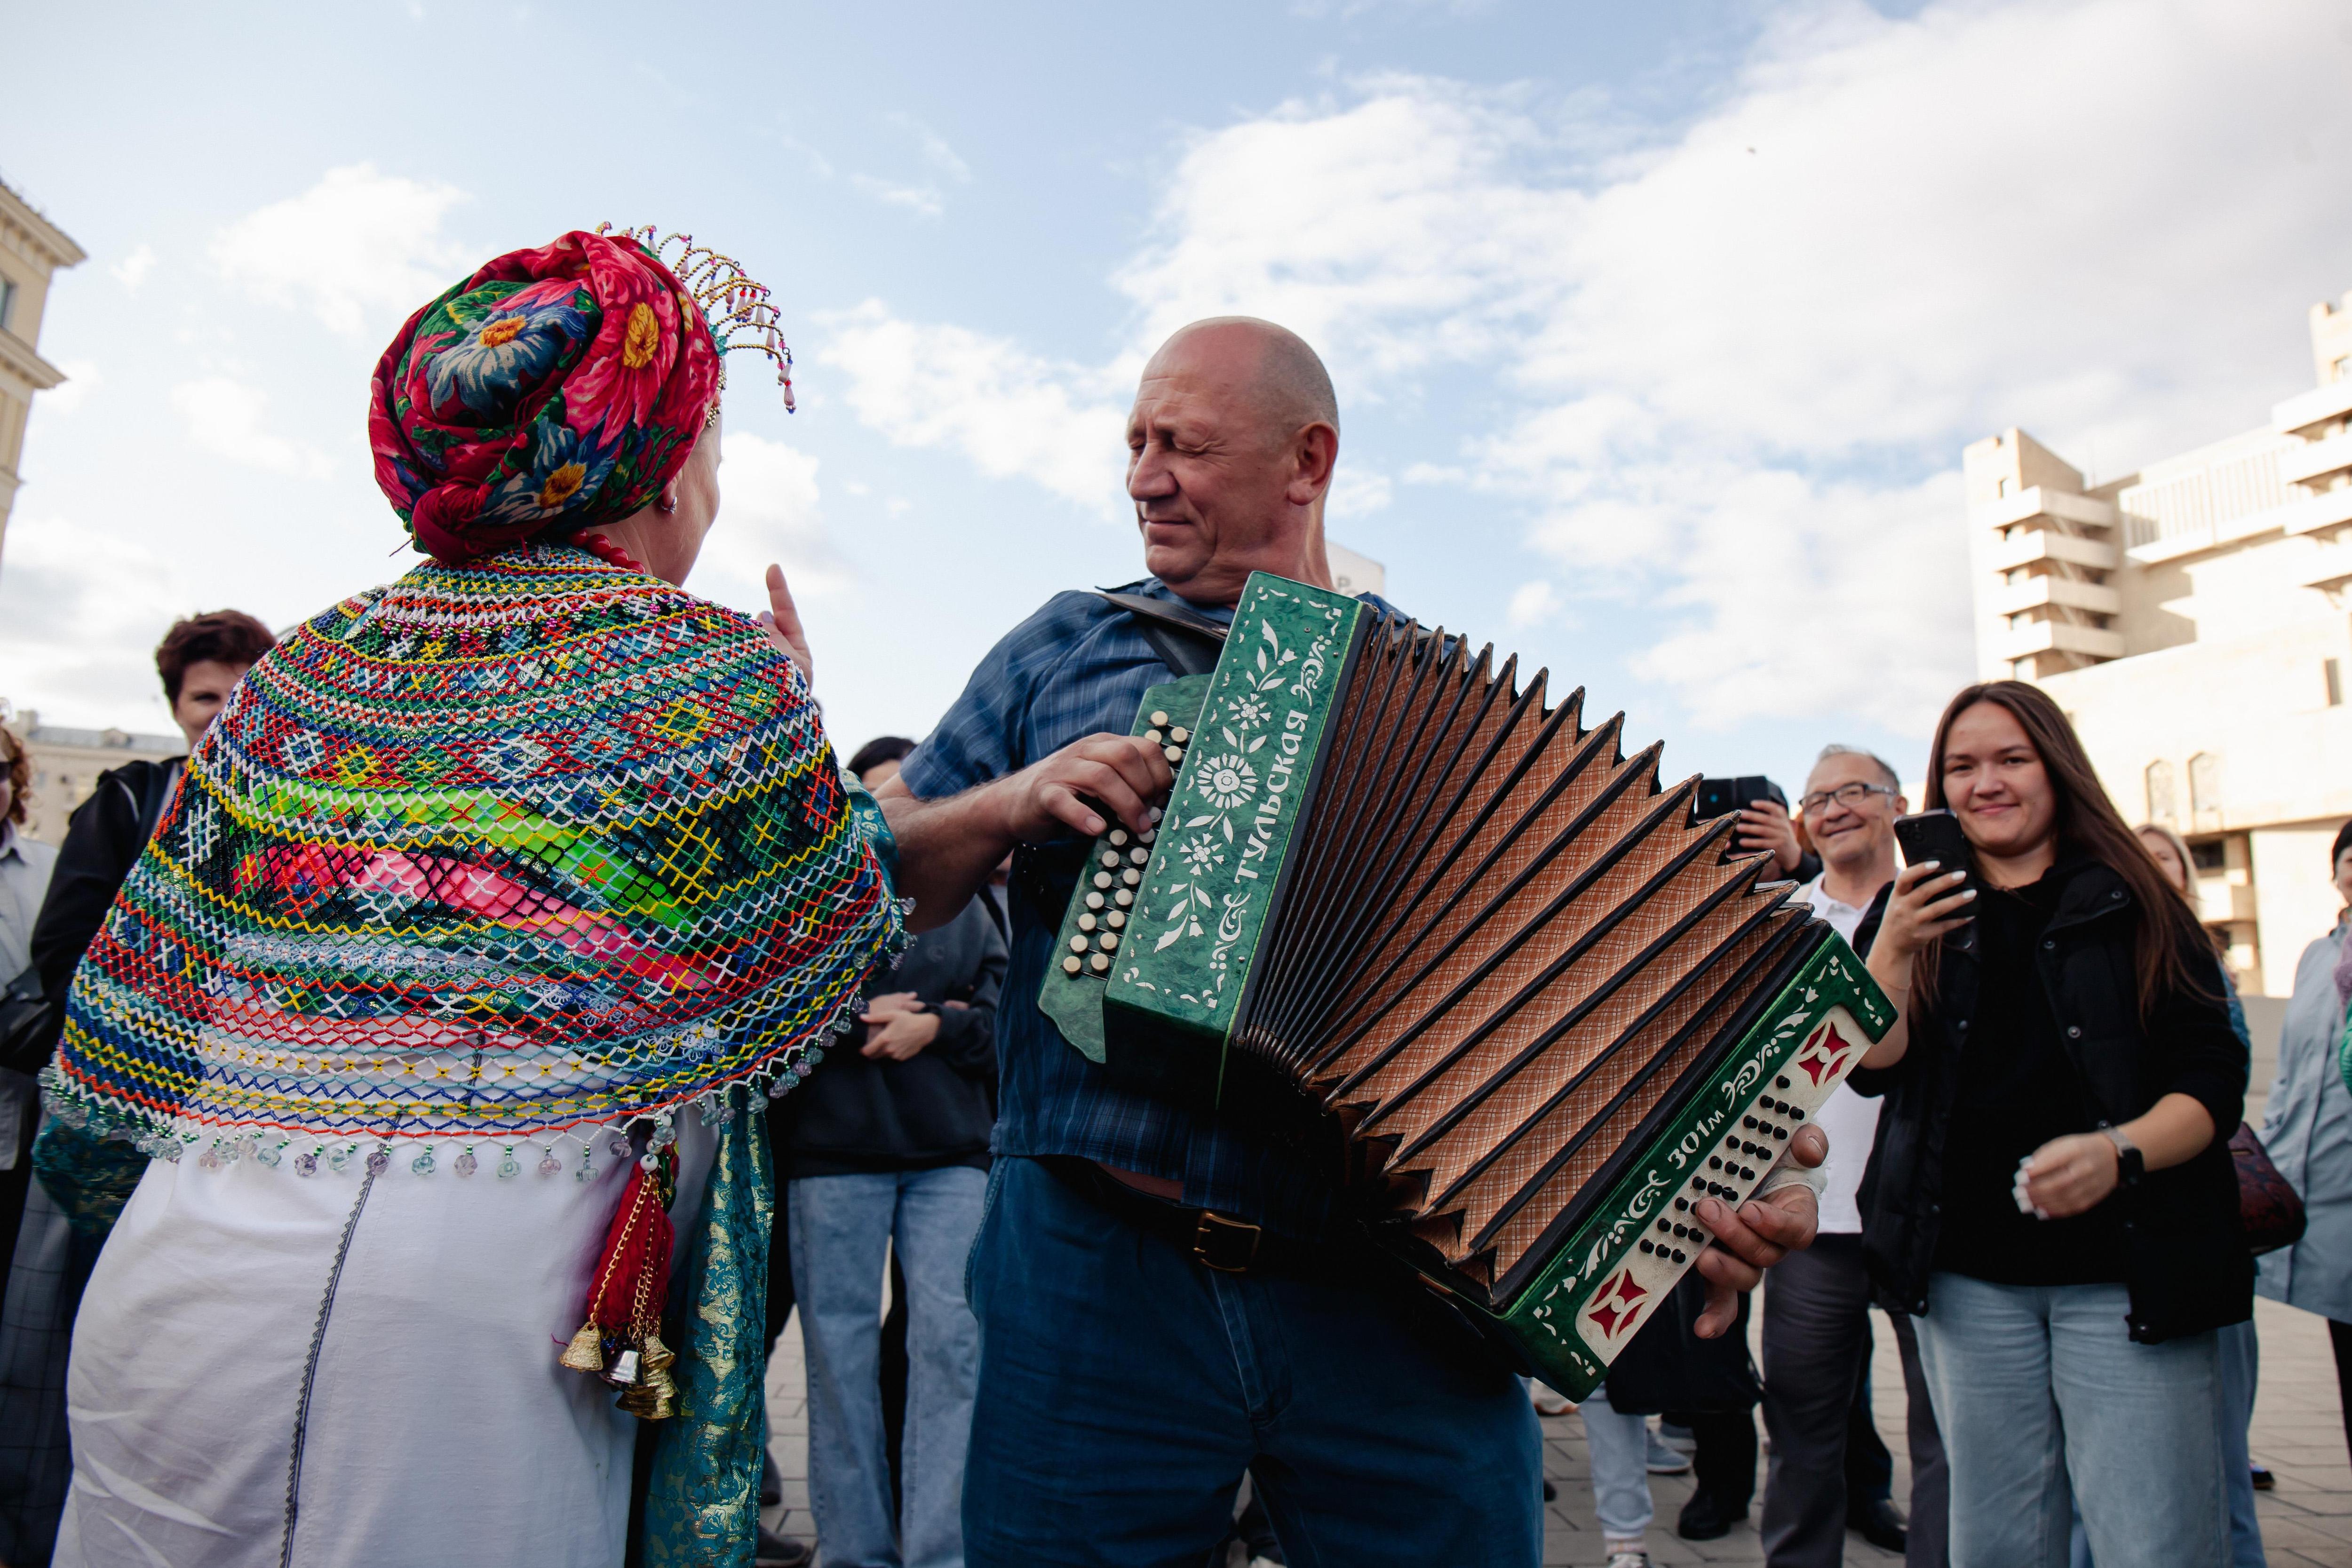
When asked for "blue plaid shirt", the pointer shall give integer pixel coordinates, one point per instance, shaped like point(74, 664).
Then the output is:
point(1079, 666)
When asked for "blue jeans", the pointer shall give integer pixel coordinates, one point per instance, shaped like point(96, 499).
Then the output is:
point(1124, 1388)
point(839, 1227)
point(1620, 1446)
point(2045, 1402)
point(2240, 1372)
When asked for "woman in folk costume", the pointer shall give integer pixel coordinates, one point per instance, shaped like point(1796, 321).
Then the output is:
point(492, 901)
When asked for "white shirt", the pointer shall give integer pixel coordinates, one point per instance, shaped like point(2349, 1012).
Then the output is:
point(1850, 1121)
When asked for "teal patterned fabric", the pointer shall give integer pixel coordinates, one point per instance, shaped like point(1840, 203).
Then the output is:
point(703, 1508)
point(89, 1177)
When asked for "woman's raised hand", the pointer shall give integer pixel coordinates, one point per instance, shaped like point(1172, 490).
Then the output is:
point(1927, 901)
point(783, 621)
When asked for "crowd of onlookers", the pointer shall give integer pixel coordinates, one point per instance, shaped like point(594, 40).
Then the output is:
point(2033, 1177)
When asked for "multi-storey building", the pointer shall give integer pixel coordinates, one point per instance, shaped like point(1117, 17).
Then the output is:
point(31, 249)
point(67, 764)
point(2192, 619)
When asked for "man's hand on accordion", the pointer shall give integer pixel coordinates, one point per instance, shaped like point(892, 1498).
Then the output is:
point(948, 846)
point(1764, 1230)
point(1126, 774)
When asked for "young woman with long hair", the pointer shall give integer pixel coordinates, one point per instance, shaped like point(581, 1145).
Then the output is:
point(2052, 1194)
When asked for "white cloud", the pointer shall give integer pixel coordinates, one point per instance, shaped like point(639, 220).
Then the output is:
point(770, 510)
point(230, 420)
point(79, 608)
point(82, 378)
point(934, 148)
point(1355, 491)
point(1533, 603)
point(132, 270)
point(1010, 413)
point(1729, 368)
point(924, 201)
point(355, 248)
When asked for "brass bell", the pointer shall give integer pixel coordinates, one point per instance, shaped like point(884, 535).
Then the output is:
point(659, 1358)
point(656, 1399)
point(623, 1373)
point(586, 1350)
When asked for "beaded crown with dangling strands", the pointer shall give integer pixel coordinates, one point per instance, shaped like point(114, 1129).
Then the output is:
point(731, 302)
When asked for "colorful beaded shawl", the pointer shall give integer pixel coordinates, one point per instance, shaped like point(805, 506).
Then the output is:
point(500, 856)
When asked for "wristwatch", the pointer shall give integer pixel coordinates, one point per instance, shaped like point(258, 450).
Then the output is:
point(2130, 1163)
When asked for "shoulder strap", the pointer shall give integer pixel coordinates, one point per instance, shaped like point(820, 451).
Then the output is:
point(1186, 641)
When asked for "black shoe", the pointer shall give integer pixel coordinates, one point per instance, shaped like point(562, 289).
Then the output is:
point(1703, 1519)
point(1875, 1520)
point(2263, 1480)
point(771, 1481)
point(1551, 1492)
point(775, 1551)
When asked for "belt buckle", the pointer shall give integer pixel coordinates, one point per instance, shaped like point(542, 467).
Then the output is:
point(1227, 1245)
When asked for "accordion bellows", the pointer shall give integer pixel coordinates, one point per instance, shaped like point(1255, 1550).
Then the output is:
point(1476, 943)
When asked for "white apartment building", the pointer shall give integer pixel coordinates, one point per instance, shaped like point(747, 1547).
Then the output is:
point(2192, 619)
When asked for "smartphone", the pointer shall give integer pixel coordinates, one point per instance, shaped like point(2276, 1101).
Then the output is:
point(1721, 797)
point(1934, 836)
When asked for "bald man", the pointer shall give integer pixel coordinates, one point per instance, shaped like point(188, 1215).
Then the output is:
point(1125, 1381)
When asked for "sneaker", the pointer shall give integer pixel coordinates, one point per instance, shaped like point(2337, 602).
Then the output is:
point(1679, 1438)
point(1665, 1461)
point(2263, 1480)
point(1629, 1560)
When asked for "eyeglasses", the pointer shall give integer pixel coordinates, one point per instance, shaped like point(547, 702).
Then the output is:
point(1850, 796)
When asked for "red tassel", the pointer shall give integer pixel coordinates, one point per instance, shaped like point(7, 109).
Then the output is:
point(625, 1304)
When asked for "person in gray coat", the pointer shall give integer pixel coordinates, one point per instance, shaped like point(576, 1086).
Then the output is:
point(2307, 1129)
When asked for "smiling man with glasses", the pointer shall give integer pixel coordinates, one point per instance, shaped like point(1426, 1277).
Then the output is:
point(1817, 1309)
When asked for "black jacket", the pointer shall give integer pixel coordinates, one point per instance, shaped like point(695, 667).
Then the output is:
point(103, 841)
point(2186, 1262)
point(939, 1107)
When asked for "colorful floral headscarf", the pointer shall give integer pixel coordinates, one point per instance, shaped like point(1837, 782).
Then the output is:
point(555, 389)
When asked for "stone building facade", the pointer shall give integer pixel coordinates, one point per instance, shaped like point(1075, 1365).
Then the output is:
point(32, 248)
point(2192, 618)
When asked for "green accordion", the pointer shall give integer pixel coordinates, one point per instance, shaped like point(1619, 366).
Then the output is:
point(1399, 905)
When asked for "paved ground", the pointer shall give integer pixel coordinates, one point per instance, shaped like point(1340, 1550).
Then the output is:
point(2298, 1433)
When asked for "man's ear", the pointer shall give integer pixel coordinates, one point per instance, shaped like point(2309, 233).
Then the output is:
point(1315, 453)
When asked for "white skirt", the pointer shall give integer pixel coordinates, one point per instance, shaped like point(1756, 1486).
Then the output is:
point(439, 1428)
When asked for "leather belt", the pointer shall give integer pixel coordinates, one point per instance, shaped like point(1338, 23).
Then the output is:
point(1214, 1240)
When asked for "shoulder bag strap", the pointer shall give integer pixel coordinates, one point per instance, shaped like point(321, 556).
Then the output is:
point(1186, 641)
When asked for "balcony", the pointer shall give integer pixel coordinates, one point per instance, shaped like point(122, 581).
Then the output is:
point(2055, 637)
point(2042, 545)
point(2317, 407)
point(2315, 461)
point(2331, 509)
point(2039, 502)
point(2011, 598)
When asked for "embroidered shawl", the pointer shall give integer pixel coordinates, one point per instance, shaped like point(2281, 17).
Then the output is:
point(498, 856)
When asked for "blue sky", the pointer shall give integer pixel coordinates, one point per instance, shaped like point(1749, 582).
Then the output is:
point(1657, 330)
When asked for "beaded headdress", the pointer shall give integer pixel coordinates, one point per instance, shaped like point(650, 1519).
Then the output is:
point(559, 387)
point(731, 302)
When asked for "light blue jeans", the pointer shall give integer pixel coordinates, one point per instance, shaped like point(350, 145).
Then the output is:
point(2045, 1402)
point(839, 1227)
point(2240, 1372)
point(1620, 1446)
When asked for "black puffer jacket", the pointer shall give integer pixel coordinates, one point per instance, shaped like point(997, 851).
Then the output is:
point(2186, 1262)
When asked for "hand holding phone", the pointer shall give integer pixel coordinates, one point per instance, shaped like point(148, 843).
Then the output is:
point(1931, 894)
